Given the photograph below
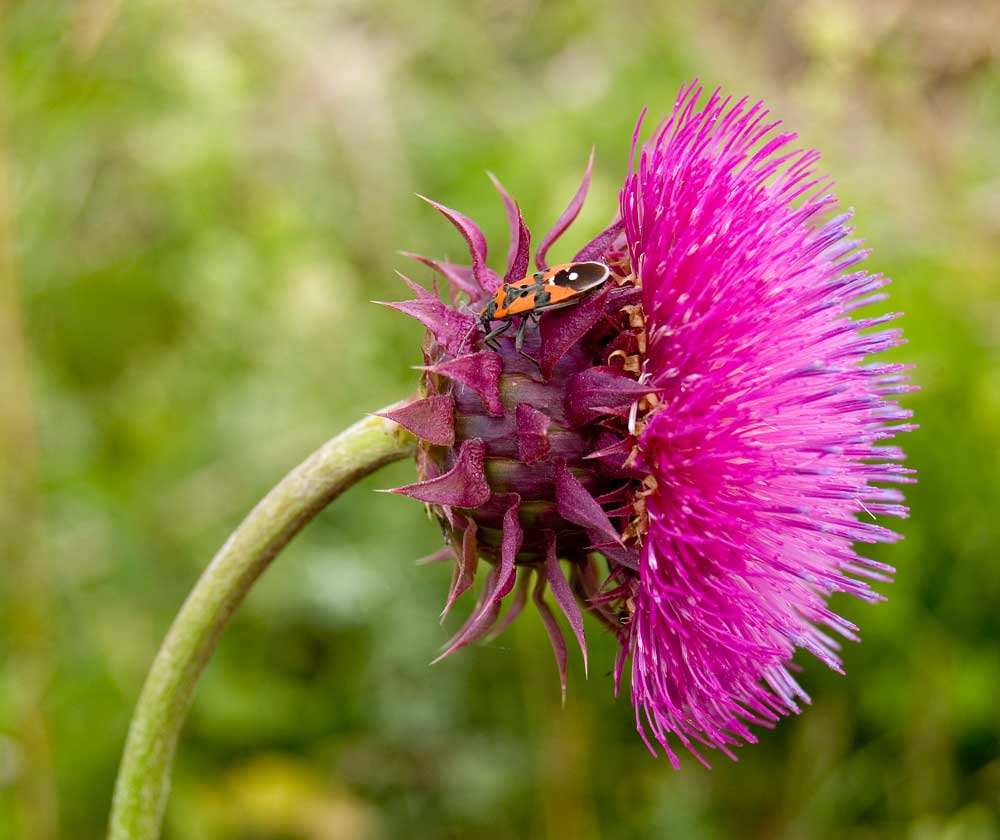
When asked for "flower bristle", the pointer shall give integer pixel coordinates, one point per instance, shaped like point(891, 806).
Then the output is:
point(701, 440)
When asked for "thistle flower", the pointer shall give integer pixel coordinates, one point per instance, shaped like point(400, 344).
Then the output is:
point(707, 422)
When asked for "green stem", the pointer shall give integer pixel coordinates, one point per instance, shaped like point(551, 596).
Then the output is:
point(144, 776)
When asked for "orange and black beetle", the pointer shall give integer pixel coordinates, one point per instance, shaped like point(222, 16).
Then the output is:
point(554, 288)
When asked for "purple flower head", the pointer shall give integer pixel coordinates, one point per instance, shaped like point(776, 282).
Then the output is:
point(763, 446)
point(707, 422)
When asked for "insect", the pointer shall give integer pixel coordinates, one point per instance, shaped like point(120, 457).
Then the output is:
point(554, 288)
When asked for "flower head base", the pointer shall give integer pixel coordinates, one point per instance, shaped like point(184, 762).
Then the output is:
point(515, 462)
point(707, 422)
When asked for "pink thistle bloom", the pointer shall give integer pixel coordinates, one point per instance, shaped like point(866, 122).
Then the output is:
point(708, 422)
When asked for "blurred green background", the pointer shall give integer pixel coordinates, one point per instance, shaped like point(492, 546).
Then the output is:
point(197, 203)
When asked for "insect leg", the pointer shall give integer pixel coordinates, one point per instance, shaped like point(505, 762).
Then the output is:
point(519, 339)
point(490, 339)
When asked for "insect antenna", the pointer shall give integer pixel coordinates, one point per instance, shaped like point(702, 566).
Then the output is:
point(467, 308)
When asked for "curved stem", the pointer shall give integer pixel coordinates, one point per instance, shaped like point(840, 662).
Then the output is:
point(144, 776)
